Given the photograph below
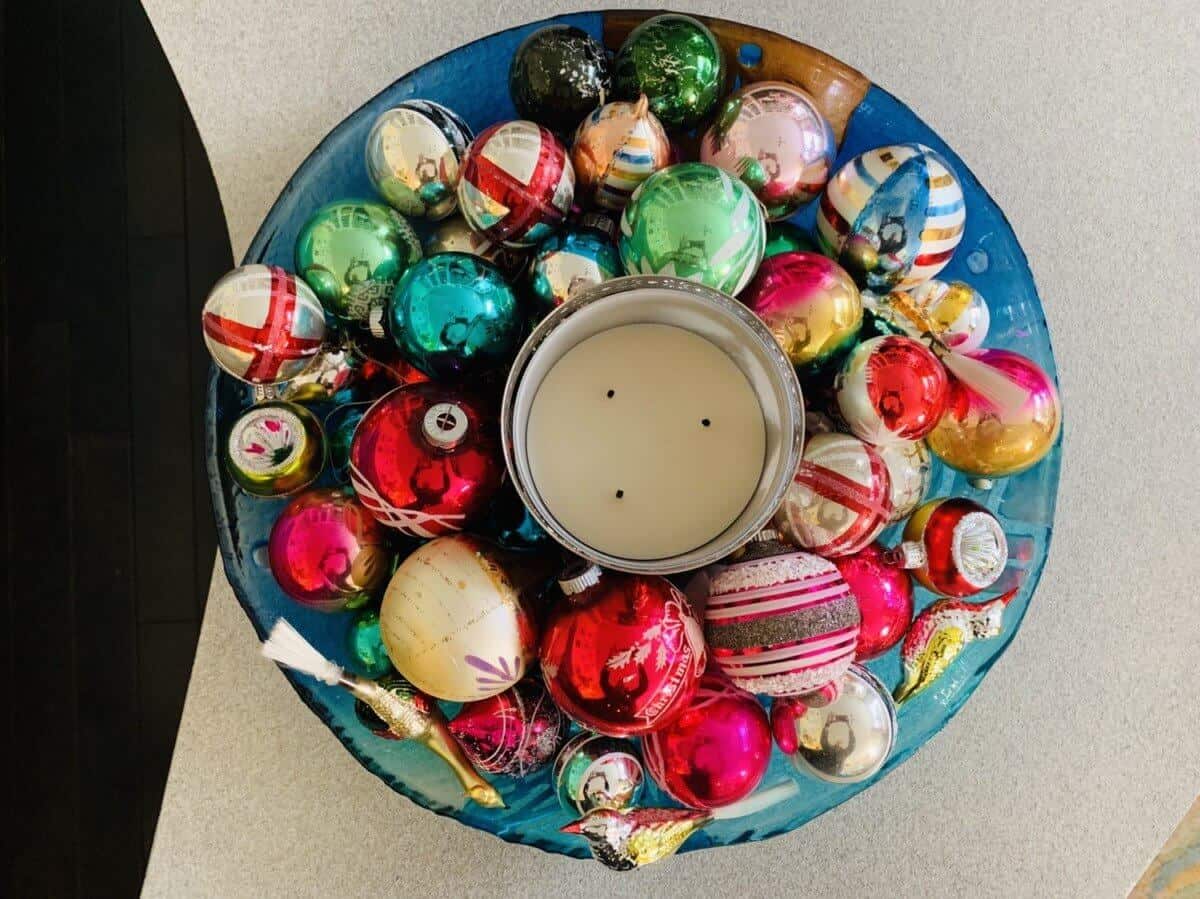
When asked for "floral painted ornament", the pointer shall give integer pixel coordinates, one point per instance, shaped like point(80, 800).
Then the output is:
point(275, 449)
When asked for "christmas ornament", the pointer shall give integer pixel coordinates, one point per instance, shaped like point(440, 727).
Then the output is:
point(616, 148)
point(785, 237)
point(694, 221)
point(594, 771)
point(910, 471)
point(364, 646)
point(955, 313)
point(559, 74)
point(413, 155)
point(275, 449)
point(716, 751)
point(517, 183)
point(622, 654)
point(261, 325)
point(454, 235)
point(810, 304)
point(953, 546)
point(892, 389)
point(328, 378)
point(454, 315)
point(326, 552)
point(885, 599)
point(892, 216)
point(455, 618)
point(352, 253)
point(780, 621)
point(426, 459)
point(982, 438)
point(786, 709)
point(340, 425)
point(939, 635)
point(772, 136)
point(402, 712)
point(514, 733)
point(838, 501)
point(845, 741)
point(510, 525)
point(677, 63)
point(565, 262)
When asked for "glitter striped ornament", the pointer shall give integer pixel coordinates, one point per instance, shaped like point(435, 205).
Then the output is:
point(516, 184)
point(839, 500)
point(893, 216)
point(262, 325)
point(780, 621)
point(616, 148)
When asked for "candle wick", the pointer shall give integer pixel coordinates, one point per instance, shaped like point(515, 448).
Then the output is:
point(611, 394)
point(705, 422)
point(620, 493)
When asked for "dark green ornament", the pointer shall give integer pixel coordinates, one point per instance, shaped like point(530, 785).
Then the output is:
point(352, 253)
point(784, 237)
point(559, 74)
point(364, 644)
point(340, 425)
point(677, 63)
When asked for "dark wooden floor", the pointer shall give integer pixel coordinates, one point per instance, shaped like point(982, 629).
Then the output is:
point(112, 233)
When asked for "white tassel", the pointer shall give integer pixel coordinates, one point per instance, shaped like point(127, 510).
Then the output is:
point(286, 647)
point(989, 383)
point(759, 801)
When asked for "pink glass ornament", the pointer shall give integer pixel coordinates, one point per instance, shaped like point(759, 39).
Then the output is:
point(716, 752)
point(514, 732)
point(885, 599)
point(892, 389)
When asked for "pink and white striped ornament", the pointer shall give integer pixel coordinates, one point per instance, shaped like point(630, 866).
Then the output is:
point(781, 621)
point(839, 499)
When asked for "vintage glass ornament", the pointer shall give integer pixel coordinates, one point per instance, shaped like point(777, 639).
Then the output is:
point(426, 459)
point(953, 312)
point(839, 499)
point(274, 449)
point(517, 183)
point(892, 389)
point(261, 325)
point(892, 216)
point(616, 148)
point(414, 151)
point(558, 75)
point(509, 524)
point(772, 135)
point(780, 621)
point(845, 741)
point(328, 379)
point(594, 771)
point(364, 646)
point(514, 733)
point(716, 751)
point(885, 599)
point(352, 253)
point(677, 63)
point(574, 258)
point(457, 620)
point(811, 305)
point(326, 552)
point(622, 654)
point(697, 222)
point(454, 315)
point(340, 425)
point(910, 472)
point(454, 235)
point(954, 547)
point(787, 237)
point(980, 438)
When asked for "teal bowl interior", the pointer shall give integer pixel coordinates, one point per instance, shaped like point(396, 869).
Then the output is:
point(473, 81)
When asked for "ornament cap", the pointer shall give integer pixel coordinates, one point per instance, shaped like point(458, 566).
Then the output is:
point(375, 322)
point(598, 221)
point(765, 535)
point(577, 577)
point(909, 554)
point(445, 425)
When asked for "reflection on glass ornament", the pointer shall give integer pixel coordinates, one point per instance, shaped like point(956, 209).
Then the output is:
point(413, 155)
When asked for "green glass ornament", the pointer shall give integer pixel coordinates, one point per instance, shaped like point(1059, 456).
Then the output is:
point(574, 258)
point(677, 63)
point(454, 315)
point(559, 74)
point(364, 644)
point(352, 253)
point(697, 222)
point(784, 237)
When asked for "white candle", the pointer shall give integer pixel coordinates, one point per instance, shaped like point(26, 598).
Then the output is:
point(645, 441)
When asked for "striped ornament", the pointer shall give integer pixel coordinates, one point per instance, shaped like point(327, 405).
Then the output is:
point(906, 201)
point(839, 500)
point(784, 623)
point(616, 148)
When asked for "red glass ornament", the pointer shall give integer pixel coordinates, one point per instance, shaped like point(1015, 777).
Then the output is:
point(426, 459)
point(622, 654)
point(892, 389)
point(717, 750)
point(953, 546)
point(514, 732)
point(327, 552)
point(885, 599)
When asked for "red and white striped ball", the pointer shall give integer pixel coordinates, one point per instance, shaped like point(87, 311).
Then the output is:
point(839, 500)
point(781, 621)
point(517, 183)
point(262, 325)
point(892, 389)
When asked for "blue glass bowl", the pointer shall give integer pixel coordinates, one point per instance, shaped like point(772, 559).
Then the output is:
point(472, 80)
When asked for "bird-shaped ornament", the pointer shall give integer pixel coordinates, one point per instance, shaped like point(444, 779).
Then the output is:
point(940, 633)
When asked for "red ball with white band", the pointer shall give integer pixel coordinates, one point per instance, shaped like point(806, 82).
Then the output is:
point(892, 389)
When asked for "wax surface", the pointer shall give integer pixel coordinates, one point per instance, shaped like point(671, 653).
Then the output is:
point(645, 441)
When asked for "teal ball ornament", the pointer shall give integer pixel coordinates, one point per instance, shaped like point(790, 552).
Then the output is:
point(364, 644)
point(563, 263)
